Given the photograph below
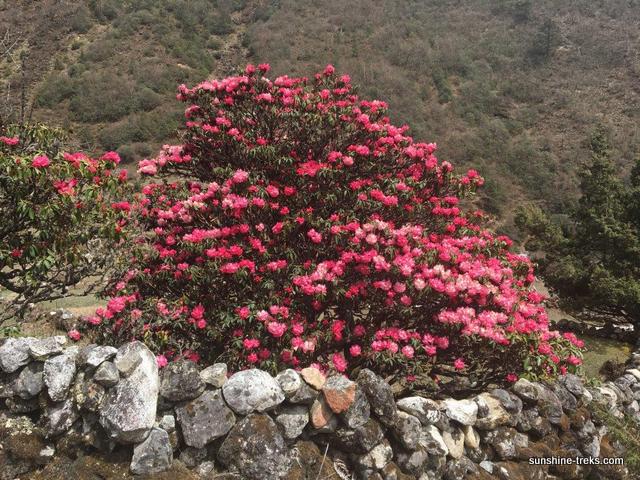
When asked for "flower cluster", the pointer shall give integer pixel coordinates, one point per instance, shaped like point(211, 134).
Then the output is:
point(59, 222)
point(296, 226)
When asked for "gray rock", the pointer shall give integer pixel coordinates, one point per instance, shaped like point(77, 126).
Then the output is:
point(305, 395)
point(568, 401)
point(153, 455)
point(526, 390)
point(423, 409)
point(215, 375)
point(30, 381)
point(459, 468)
point(414, 463)
point(98, 354)
point(407, 430)
point(181, 381)
point(431, 440)
point(41, 348)
point(252, 390)
point(129, 410)
point(60, 417)
point(359, 412)
point(380, 396)
point(293, 419)
point(191, 456)
point(88, 394)
point(506, 441)
point(255, 447)
point(204, 419)
point(59, 372)
point(573, 383)
point(377, 458)
point(128, 358)
point(205, 469)
point(167, 423)
point(107, 374)
point(494, 413)
point(509, 401)
point(14, 353)
point(464, 412)
point(358, 440)
point(290, 382)
point(549, 404)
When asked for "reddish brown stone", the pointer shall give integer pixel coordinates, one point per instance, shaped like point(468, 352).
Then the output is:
point(340, 393)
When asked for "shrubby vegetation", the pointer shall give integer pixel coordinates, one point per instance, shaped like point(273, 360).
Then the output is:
point(296, 225)
point(593, 258)
point(60, 226)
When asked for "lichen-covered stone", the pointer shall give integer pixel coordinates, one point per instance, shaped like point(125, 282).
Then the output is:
point(14, 353)
point(506, 442)
point(407, 430)
point(181, 381)
point(377, 458)
point(58, 374)
point(380, 396)
point(204, 419)
point(359, 411)
point(41, 348)
point(153, 455)
point(60, 417)
point(252, 391)
point(107, 374)
point(256, 449)
point(423, 409)
point(215, 375)
point(129, 410)
point(30, 381)
point(454, 440)
point(290, 382)
point(431, 440)
point(464, 412)
point(494, 413)
point(293, 419)
point(358, 440)
point(94, 356)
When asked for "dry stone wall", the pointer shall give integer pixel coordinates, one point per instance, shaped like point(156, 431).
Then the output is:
point(60, 401)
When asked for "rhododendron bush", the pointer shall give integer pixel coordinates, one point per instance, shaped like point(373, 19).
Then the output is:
point(297, 226)
point(58, 223)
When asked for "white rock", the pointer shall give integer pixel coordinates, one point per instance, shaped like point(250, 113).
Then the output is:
point(129, 410)
point(462, 411)
point(252, 391)
point(423, 409)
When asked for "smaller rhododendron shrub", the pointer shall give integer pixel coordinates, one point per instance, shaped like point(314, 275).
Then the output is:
point(297, 226)
point(59, 225)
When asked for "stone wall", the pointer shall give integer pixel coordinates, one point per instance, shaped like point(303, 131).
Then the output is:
point(67, 410)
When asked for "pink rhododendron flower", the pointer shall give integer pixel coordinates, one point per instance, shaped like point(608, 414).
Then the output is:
point(41, 161)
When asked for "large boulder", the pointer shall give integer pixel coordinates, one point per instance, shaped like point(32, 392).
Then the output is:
point(153, 455)
point(129, 410)
point(255, 448)
point(205, 418)
point(252, 391)
point(181, 381)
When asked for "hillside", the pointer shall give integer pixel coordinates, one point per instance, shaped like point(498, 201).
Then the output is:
point(511, 87)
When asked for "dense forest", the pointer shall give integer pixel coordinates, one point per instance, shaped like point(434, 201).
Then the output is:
point(513, 88)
